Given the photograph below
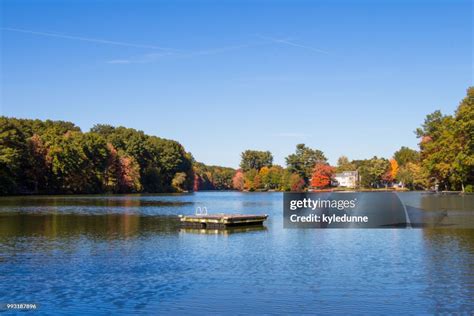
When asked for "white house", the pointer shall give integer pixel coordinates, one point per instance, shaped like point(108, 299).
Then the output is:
point(346, 179)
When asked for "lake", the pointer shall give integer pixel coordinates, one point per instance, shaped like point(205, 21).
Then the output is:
point(126, 254)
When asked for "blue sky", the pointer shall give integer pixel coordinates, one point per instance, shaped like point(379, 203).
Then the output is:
point(351, 78)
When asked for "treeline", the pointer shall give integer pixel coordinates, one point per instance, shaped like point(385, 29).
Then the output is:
point(309, 168)
point(444, 161)
point(43, 157)
point(56, 157)
point(447, 147)
point(257, 172)
point(212, 177)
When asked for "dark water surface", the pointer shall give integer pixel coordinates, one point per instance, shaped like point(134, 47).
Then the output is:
point(127, 254)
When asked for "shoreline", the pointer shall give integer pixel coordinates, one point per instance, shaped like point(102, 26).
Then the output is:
point(217, 191)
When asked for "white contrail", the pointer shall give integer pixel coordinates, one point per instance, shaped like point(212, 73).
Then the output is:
point(148, 58)
point(86, 39)
point(286, 42)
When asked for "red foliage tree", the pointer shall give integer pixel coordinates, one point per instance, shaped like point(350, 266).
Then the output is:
point(297, 183)
point(197, 182)
point(129, 176)
point(238, 180)
point(123, 172)
point(322, 174)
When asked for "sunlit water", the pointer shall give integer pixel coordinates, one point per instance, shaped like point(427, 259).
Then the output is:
point(127, 254)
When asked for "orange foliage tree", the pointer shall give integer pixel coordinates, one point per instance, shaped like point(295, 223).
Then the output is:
point(393, 168)
point(322, 174)
point(392, 171)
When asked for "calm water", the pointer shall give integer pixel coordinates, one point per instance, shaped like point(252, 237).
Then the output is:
point(127, 254)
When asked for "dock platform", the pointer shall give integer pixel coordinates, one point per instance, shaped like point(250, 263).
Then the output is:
point(221, 220)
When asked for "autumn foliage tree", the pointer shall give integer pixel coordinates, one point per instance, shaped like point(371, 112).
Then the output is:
point(129, 175)
point(238, 180)
point(393, 168)
point(249, 177)
point(322, 174)
point(391, 173)
point(274, 178)
point(47, 157)
point(296, 183)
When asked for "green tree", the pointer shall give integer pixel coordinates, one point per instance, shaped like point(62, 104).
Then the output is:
point(371, 172)
point(96, 153)
point(179, 182)
point(222, 178)
point(159, 159)
point(303, 160)
point(254, 159)
point(38, 168)
point(57, 157)
point(285, 180)
point(69, 163)
point(275, 178)
point(463, 164)
point(405, 155)
point(343, 164)
point(438, 148)
point(212, 177)
point(13, 149)
point(411, 175)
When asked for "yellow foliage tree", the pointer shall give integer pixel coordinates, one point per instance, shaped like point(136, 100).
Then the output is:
point(264, 177)
point(393, 168)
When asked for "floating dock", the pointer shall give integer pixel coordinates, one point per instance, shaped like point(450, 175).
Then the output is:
point(217, 221)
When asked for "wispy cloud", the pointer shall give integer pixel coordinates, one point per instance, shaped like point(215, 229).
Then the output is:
point(293, 135)
point(165, 51)
point(140, 59)
point(291, 43)
point(148, 58)
point(86, 39)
